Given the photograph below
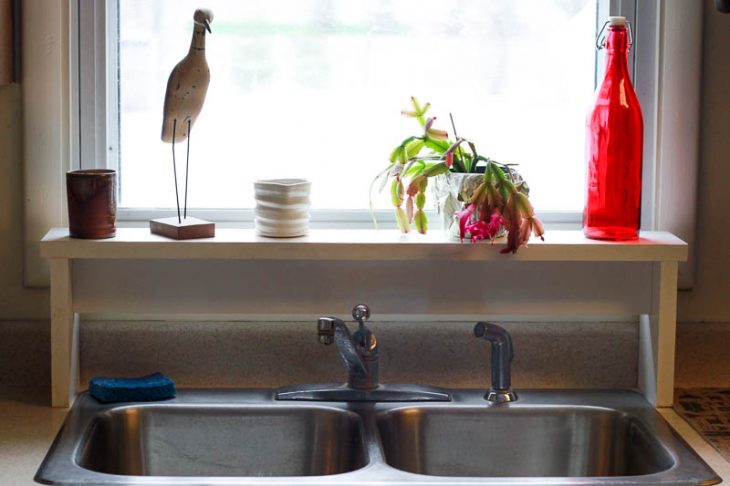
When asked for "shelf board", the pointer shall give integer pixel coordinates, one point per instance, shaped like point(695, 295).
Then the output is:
point(244, 244)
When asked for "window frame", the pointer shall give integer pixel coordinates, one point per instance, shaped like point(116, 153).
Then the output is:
point(96, 89)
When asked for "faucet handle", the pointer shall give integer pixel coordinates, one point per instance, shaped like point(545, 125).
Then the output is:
point(361, 313)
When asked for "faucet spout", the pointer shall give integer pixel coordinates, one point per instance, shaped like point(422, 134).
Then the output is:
point(331, 329)
point(502, 354)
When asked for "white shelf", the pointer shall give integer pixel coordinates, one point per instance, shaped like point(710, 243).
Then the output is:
point(240, 244)
point(239, 272)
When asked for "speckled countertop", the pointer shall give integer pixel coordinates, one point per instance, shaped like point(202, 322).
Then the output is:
point(28, 426)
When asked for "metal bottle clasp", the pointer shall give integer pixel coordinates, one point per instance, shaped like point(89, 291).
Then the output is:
point(601, 38)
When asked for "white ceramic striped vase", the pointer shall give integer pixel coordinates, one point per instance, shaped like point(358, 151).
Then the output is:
point(282, 207)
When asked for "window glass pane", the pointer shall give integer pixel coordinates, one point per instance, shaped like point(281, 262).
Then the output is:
point(314, 89)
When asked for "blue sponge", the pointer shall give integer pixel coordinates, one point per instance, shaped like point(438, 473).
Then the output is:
point(148, 388)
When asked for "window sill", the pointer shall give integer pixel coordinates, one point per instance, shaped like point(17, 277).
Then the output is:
point(244, 244)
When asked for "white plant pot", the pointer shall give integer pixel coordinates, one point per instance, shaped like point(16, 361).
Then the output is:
point(448, 190)
point(451, 190)
point(282, 207)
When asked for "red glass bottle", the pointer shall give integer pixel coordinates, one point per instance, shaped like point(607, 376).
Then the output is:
point(614, 142)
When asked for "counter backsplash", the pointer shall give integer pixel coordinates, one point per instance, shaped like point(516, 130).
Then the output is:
point(268, 354)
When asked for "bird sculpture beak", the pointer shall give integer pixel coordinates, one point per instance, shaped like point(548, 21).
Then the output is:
point(207, 26)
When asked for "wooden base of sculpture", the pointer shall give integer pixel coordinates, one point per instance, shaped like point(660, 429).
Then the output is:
point(189, 229)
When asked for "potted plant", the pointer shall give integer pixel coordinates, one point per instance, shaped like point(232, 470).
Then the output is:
point(482, 197)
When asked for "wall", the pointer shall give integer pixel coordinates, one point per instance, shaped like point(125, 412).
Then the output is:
point(15, 300)
point(710, 298)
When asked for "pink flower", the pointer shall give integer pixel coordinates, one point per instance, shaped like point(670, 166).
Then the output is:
point(482, 230)
point(465, 216)
point(494, 223)
point(449, 159)
point(479, 231)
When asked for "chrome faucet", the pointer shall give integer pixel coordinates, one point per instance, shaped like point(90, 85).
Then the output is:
point(502, 354)
point(359, 351)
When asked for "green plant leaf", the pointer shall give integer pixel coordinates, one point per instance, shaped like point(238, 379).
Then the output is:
point(420, 110)
point(459, 166)
point(415, 168)
point(396, 193)
point(401, 218)
point(413, 148)
point(438, 146)
point(497, 172)
point(436, 169)
point(473, 148)
point(420, 200)
point(395, 155)
point(465, 161)
point(421, 221)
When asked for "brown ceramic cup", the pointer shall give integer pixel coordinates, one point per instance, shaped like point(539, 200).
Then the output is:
point(92, 203)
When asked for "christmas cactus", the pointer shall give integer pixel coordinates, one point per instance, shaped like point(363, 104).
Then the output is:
point(501, 201)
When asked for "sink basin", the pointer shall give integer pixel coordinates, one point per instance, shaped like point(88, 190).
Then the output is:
point(520, 442)
point(248, 438)
point(165, 440)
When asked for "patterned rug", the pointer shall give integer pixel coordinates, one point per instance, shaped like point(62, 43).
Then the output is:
point(707, 410)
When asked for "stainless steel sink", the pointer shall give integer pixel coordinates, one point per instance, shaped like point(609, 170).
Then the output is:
point(247, 437)
point(520, 442)
point(195, 440)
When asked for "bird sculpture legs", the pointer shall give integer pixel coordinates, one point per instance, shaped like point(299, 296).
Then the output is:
point(187, 162)
point(174, 171)
point(182, 227)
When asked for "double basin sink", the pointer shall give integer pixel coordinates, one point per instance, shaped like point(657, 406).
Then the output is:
point(247, 437)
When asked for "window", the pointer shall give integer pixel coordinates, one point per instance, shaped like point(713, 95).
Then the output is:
point(70, 107)
point(314, 89)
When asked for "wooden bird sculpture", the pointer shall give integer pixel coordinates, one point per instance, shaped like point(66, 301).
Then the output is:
point(185, 95)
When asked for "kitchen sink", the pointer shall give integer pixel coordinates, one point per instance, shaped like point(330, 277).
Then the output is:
point(195, 440)
point(520, 442)
point(247, 437)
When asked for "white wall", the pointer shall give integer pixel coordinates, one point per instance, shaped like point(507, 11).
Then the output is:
point(15, 301)
point(710, 298)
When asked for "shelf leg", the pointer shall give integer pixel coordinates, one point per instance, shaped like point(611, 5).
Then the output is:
point(64, 335)
point(657, 337)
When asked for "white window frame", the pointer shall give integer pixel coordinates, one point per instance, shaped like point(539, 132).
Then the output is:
point(63, 125)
